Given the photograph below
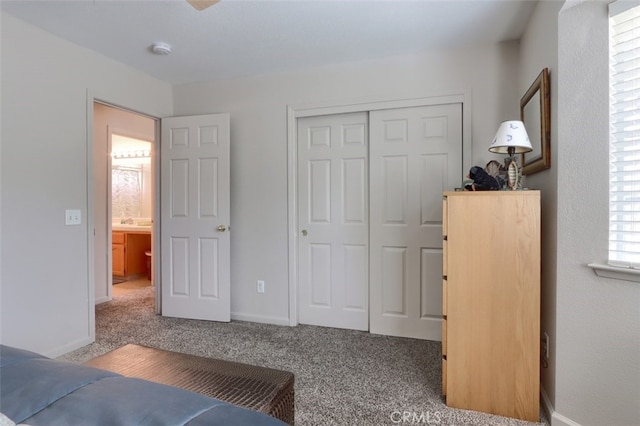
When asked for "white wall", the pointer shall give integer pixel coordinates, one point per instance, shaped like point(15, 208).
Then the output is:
point(594, 374)
point(539, 49)
point(44, 104)
point(597, 362)
point(44, 82)
point(259, 142)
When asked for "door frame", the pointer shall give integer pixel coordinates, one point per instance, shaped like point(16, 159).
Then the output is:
point(129, 134)
point(325, 108)
point(90, 209)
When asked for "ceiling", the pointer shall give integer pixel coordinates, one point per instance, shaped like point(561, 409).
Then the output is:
point(237, 38)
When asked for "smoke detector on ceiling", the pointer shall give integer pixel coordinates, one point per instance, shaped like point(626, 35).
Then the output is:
point(160, 48)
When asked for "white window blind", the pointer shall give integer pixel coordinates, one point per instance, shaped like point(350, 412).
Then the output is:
point(624, 145)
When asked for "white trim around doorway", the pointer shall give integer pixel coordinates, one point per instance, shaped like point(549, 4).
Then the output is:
point(91, 302)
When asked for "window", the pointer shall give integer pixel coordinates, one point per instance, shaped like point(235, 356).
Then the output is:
point(126, 191)
point(624, 188)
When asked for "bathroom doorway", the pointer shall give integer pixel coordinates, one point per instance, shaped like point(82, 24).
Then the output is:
point(124, 202)
point(131, 211)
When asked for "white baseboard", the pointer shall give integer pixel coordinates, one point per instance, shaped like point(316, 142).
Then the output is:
point(102, 299)
point(259, 318)
point(61, 350)
point(555, 418)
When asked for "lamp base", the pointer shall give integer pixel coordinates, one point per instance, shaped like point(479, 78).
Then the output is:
point(513, 173)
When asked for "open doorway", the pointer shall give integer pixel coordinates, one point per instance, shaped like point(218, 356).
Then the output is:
point(124, 200)
point(131, 213)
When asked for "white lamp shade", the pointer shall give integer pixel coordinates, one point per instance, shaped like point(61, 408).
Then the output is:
point(511, 134)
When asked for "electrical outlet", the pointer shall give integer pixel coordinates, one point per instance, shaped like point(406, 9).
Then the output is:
point(260, 286)
point(72, 217)
point(545, 345)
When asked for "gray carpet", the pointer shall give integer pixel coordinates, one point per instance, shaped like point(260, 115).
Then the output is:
point(343, 377)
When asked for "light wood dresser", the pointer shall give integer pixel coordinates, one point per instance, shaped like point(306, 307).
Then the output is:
point(491, 302)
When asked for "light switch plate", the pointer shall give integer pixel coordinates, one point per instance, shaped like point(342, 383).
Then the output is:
point(72, 217)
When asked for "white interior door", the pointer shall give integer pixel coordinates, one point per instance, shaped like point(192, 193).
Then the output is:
point(415, 154)
point(333, 221)
point(195, 216)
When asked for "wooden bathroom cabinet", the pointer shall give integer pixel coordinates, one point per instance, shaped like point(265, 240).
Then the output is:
point(491, 302)
point(128, 252)
point(117, 253)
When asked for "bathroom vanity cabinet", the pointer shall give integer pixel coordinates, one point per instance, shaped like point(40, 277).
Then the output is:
point(128, 252)
point(117, 253)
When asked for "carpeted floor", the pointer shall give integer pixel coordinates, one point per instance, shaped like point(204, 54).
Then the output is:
point(343, 377)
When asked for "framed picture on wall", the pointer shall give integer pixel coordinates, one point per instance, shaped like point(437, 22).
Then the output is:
point(535, 113)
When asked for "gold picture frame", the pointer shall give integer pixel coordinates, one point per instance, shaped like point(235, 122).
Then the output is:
point(535, 112)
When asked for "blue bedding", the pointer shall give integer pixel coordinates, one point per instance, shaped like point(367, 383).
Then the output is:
point(40, 391)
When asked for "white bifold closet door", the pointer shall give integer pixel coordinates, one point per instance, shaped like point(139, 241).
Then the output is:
point(370, 217)
point(415, 155)
point(333, 188)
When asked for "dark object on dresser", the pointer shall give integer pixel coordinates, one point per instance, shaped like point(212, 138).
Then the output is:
point(483, 181)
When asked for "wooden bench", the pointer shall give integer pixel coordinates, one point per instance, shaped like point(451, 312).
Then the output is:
point(258, 388)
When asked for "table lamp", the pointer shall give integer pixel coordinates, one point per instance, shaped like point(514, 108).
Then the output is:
point(511, 139)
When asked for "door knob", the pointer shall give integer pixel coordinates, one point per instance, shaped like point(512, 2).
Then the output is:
point(304, 232)
point(221, 228)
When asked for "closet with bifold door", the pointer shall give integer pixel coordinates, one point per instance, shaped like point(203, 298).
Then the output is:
point(369, 198)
